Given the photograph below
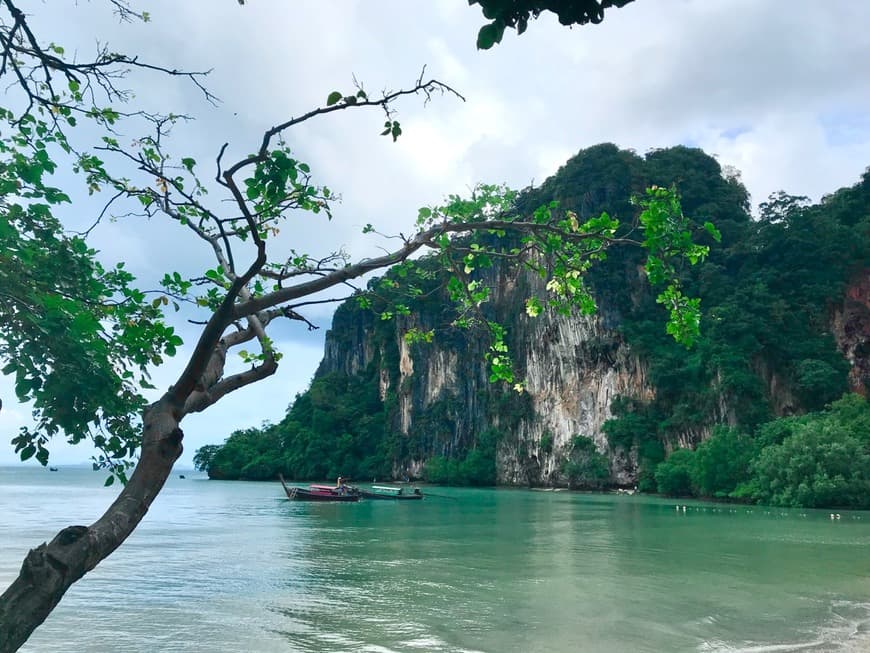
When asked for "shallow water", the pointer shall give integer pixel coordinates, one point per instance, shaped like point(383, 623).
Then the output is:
point(218, 566)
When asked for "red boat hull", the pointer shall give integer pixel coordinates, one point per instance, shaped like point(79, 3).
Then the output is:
point(317, 493)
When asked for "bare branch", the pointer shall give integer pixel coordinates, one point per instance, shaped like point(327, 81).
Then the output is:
point(211, 334)
point(199, 401)
point(421, 239)
point(116, 196)
point(426, 88)
point(288, 312)
point(37, 67)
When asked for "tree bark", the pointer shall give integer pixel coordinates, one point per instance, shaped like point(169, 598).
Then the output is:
point(50, 569)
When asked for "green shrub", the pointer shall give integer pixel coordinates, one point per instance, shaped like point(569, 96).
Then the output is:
point(547, 443)
point(477, 468)
point(821, 465)
point(262, 468)
point(673, 476)
point(585, 467)
point(721, 463)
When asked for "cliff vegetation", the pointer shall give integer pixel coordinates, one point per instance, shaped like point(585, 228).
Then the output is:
point(755, 410)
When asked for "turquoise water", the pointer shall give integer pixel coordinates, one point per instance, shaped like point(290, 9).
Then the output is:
point(218, 566)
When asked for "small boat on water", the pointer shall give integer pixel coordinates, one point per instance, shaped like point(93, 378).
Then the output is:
point(319, 493)
point(389, 492)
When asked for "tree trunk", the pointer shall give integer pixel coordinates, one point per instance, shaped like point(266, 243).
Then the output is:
point(50, 569)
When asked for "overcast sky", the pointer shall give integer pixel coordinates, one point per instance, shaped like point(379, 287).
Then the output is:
point(777, 89)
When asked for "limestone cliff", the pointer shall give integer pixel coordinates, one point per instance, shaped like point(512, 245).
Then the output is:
point(780, 334)
point(851, 326)
point(441, 395)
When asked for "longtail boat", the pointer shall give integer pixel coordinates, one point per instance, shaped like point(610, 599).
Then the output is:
point(319, 493)
point(389, 492)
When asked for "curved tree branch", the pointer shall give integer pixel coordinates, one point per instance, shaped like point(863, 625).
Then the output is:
point(199, 401)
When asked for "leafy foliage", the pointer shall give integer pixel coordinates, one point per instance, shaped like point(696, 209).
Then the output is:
point(337, 428)
point(825, 462)
point(78, 338)
point(516, 14)
point(247, 454)
point(817, 460)
point(584, 466)
point(555, 244)
point(721, 463)
point(477, 468)
point(204, 456)
point(753, 353)
point(674, 475)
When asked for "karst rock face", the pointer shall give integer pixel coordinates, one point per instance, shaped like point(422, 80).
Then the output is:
point(573, 367)
point(439, 396)
point(851, 327)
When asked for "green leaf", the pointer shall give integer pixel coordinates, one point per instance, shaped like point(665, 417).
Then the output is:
point(713, 231)
point(489, 35)
point(333, 98)
point(533, 307)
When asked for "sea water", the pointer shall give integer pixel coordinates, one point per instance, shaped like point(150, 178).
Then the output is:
point(229, 567)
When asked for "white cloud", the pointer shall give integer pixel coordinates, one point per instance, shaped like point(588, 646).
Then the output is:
point(11, 419)
point(447, 63)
